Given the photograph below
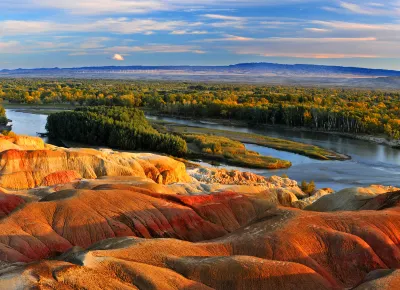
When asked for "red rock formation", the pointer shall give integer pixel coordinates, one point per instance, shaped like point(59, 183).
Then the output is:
point(251, 245)
point(22, 169)
point(21, 142)
point(81, 217)
point(349, 199)
point(107, 272)
point(9, 202)
point(61, 177)
point(381, 280)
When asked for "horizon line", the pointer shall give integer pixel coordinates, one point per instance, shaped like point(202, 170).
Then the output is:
point(228, 65)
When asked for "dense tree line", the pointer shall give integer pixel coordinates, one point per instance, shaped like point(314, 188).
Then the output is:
point(3, 117)
point(344, 110)
point(117, 127)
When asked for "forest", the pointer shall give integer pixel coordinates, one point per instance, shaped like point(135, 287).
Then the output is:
point(116, 127)
point(3, 117)
point(342, 110)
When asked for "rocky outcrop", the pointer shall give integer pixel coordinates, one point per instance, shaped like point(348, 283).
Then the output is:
point(316, 195)
point(223, 241)
point(349, 199)
point(237, 178)
point(61, 177)
point(111, 220)
point(223, 176)
point(8, 203)
point(381, 280)
point(101, 269)
point(24, 169)
point(82, 217)
point(270, 193)
point(21, 142)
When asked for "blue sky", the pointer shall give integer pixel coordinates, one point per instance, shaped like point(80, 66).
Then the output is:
point(49, 33)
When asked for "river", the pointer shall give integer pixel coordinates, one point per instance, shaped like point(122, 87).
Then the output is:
point(371, 163)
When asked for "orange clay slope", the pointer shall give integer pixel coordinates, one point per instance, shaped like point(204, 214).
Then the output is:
point(25, 169)
point(222, 241)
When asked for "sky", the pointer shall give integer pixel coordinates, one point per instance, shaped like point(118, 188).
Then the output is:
point(73, 33)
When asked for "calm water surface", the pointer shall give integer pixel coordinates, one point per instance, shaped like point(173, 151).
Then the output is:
point(371, 163)
point(26, 123)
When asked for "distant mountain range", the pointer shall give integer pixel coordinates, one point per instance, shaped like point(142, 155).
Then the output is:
point(271, 73)
point(274, 68)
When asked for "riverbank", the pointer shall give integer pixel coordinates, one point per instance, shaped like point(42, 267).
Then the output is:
point(43, 109)
point(311, 151)
point(230, 152)
point(235, 123)
point(371, 163)
point(47, 109)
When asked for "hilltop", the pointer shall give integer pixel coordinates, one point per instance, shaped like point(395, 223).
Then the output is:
point(266, 73)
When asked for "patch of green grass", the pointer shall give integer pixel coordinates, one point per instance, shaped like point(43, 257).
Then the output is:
point(311, 151)
point(43, 109)
point(231, 152)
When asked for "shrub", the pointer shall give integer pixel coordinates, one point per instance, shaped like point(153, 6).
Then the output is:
point(117, 127)
point(308, 187)
point(3, 121)
point(9, 133)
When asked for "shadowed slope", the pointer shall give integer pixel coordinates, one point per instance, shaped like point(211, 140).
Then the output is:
point(82, 217)
point(100, 270)
point(381, 280)
point(8, 202)
point(350, 199)
point(253, 245)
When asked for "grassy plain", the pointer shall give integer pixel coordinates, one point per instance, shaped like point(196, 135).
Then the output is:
point(311, 151)
point(231, 152)
point(42, 109)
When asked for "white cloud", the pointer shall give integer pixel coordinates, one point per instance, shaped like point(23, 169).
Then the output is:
point(9, 46)
point(118, 57)
point(81, 20)
point(111, 7)
point(94, 42)
point(361, 9)
point(382, 31)
point(228, 38)
point(157, 48)
point(233, 38)
point(114, 25)
point(389, 8)
point(194, 32)
point(313, 29)
point(320, 48)
point(224, 17)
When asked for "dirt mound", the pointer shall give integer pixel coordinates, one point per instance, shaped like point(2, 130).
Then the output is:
point(101, 270)
point(223, 241)
point(22, 169)
point(21, 142)
point(349, 199)
point(61, 177)
point(9, 202)
point(316, 195)
point(112, 220)
point(381, 280)
point(82, 217)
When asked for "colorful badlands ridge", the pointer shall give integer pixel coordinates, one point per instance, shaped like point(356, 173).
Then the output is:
point(100, 219)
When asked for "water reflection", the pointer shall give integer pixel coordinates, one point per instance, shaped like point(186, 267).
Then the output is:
point(296, 159)
point(26, 123)
point(371, 163)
